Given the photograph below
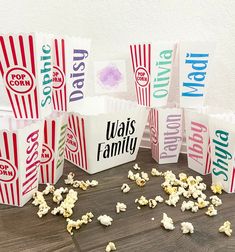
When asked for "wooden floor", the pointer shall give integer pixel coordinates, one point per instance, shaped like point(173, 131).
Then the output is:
point(133, 230)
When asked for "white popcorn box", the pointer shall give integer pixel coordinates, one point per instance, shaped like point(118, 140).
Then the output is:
point(195, 63)
point(70, 63)
point(26, 68)
point(152, 65)
point(52, 159)
point(198, 141)
point(222, 135)
point(165, 134)
point(104, 136)
point(20, 151)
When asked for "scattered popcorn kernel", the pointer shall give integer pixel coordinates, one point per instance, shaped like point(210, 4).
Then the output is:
point(152, 219)
point(92, 183)
point(105, 220)
point(159, 199)
point(69, 180)
point(41, 202)
point(169, 175)
point(191, 180)
point(180, 191)
point(199, 179)
point(167, 222)
point(216, 201)
point(136, 167)
point(201, 203)
point(38, 198)
point(155, 172)
point(131, 175)
point(110, 247)
point(216, 188)
point(78, 223)
point(137, 176)
point(187, 228)
point(201, 186)
point(138, 207)
point(152, 203)
point(189, 205)
point(120, 207)
point(125, 188)
point(43, 209)
point(143, 201)
point(226, 228)
point(83, 185)
point(170, 189)
point(145, 176)
point(211, 211)
point(76, 183)
point(140, 182)
point(173, 199)
point(49, 189)
point(57, 195)
point(183, 177)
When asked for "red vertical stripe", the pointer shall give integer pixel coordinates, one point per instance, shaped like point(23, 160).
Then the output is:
point(144, 56)
point(30, 106)
point(13, 50)
point(84, 142)
point(4, 51)
point(36, 101)
point(53, 147)
point(18, 105)
point(80, 142)
point(6, 145)
point(32, 59)
point(11, 101)
point(57, 52)
point(16, 165)
point(132, 59)
point(25, 108)
point(22, 50)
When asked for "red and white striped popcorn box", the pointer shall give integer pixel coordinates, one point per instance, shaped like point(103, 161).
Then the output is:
point(104, 136)
point(222, 135)
point(152, 65)
point(26, 68)
point(70, 66)
point(20, 151)
point(52, 159)
point(165, 134)
point(198, 141)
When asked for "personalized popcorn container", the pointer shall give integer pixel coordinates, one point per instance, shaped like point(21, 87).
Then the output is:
point(222, 134)
point(52, 159)
point(198, 141)
point(152, 65)
point(104, 136)
point(195, 62)
point(20, 151)
point(26, 68)
point(165, 134)
point(70, 63)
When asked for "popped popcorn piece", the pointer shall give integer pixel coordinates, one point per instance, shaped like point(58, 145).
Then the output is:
point(155, 172)
point(43, 209)
point(92, 183)
point(137, 176)
point(76, 183)
point(66, 207)
point(191, 180)
point(120, 207)
point(41, 202)
point(69, 180)
point(216, 201)
point(169, 175)
point(105, 220)
point(201, 203)
point(78, 223)
point(49, 189)
point(180, 190)
point(183, 177)
point(138, 207)
point(131, 175)
point(110, 247)
point(136, 167)
point(152, 219)
point(140, 182)
point(216, 188)
point(189, 205)
point(170, 189)
point(159, 199)
point(173, 199)
point(187, 194)
point(145, 176)
point(83, 185)
point(199, 179)
point(57, 195)
point(152, 203)
point(226, 228)
point(142, 201)
point(187, 228)
point(201, 186)
point(125, 188)
point(211, 211)
point(167, 222)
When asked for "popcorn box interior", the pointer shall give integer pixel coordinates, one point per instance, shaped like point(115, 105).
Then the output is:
point(26, 68)
point(52, 159)
point(104, 136)
point(70, 64)
point(165, 134)
point(198, 141)
point(195, 63)
point(222, 134)
point(20, 151)
point(152, 65)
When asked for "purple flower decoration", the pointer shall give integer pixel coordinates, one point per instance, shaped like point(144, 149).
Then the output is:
point(110, 76)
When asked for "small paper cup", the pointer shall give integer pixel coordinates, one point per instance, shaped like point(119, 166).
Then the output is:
point(222, 134)
point(20, 151)
point(52, 159)
point(70, 64)
point(165, 134)
point(104, 136)
point(26, 69)
point(152, 65)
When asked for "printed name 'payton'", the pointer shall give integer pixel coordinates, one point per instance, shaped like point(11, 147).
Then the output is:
point(115, 131)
